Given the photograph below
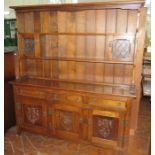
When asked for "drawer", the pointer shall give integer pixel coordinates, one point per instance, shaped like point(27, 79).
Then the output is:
point(65, 97)
point(31, 93)
point(99, 101)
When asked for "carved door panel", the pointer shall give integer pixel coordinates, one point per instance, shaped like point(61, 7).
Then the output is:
point(33, 114)
point(106, 128)
point(67, 121)
point(27, 45)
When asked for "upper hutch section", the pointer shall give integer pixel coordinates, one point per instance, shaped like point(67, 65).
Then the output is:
point(87, 42)
point(104, 31)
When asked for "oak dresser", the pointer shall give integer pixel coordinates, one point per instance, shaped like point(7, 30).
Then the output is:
point(78, 70)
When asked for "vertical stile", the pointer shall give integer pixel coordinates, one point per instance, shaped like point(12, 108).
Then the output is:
point(80, 44)
point(37, 33)
point(29, 22)
point(20, 53)
point(37, 22)
point(62, 44)
point(71, 46)
point(110, 28)
point(105, 25)
point(138, 61)
point(47, 67)
point(127, 68)
point(100, 44)
point(20, 29)
point(121, 27)
point(131, 28)
point(90, 43)
point(20, 22)
point(37, 45)
point(135, 54)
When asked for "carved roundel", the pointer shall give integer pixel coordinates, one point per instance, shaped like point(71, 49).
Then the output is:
point(105, 127)
point(33, 114)
point(120, 48)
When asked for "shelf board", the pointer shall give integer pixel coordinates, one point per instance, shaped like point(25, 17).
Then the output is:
point(86, 82)
point(80, 33)
point(93, 87)
point(91, 60)
point(95, 83)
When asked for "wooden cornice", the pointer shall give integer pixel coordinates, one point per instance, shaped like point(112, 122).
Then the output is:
point(82, 6)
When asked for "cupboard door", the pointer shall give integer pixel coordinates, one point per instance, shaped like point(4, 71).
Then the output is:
point(106, 128)
point(33, 114)
point(67, 121)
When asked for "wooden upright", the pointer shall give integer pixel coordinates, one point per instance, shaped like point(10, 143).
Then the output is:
point(78, 70)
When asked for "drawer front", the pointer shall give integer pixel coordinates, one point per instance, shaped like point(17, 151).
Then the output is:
point(31, 93)
point(106, 103)
point(65, 98)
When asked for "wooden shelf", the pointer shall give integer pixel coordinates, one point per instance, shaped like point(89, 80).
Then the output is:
point(78, 86)
point(79, 33)
point(125, 86)
point(91, 60)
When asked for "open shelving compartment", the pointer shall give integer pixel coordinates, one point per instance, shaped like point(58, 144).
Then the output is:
point(83, 58)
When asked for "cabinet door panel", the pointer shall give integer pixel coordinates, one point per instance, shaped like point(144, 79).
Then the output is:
point(32, 114)
point(67, 121)
point(106, 128)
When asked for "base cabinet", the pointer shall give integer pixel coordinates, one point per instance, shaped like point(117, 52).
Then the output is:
point(73, 116)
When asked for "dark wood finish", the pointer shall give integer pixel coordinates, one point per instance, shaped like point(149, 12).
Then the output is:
point(9, 109)
point(78, 74)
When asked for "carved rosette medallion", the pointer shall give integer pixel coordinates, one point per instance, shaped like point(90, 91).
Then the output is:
point(32, 114)
point(66, 120)
point(104, 127)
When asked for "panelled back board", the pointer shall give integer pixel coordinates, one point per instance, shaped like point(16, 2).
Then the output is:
point(102, 40)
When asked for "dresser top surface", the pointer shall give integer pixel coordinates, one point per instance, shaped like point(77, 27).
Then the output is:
point(129, 4)
point(124, 90)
